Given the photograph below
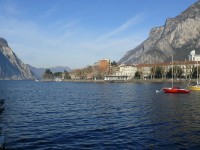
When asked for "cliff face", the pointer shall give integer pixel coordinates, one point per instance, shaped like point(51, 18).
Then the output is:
point(11, 67)
point(177, 37)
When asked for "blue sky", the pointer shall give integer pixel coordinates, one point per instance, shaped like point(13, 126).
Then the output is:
point(78, 33)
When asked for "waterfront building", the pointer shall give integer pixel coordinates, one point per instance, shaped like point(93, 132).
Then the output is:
point(127, 70)
point(148, 70)
point(104, 65)
point(115, 78)
point(193, 56)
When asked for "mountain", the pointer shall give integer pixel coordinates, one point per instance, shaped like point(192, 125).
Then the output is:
point(59, 69)
point(38, 72)
point(11, 67)
point(177, 37)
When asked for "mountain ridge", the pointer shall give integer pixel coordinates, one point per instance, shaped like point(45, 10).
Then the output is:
point(178, 36)
point(11, 67)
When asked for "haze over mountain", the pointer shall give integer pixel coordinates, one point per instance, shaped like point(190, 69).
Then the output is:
point(38, 72)
point(11, 67)
point(177, 37)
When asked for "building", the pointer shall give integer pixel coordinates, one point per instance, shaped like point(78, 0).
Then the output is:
point(193, 56)
point(101, 68)
point(127, 70)
point(148, 70)
point(104, 66)
point(115, 78)
point(122, 73)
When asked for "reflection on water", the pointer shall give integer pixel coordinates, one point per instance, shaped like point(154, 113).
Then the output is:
point(52, 115)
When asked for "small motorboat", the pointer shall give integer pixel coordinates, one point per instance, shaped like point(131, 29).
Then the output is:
point(58, 79)
point(176, 90)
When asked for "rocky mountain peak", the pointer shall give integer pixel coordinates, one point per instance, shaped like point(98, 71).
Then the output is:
point(178, 36)
point(11, 67)
point(3, 42)
point(192, 12)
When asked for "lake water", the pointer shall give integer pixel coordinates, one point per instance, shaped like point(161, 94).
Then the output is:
point(64, 115)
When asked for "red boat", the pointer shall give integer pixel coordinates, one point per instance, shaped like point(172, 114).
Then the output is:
point(176, 90)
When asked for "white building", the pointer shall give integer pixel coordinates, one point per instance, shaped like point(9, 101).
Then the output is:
point(127, 70)
point(193, 56)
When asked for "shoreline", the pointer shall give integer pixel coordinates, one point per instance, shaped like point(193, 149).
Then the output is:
point(130, 81)
point(137, 80)
point(127, 81)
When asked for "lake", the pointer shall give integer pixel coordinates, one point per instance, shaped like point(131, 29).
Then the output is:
point(66, 115)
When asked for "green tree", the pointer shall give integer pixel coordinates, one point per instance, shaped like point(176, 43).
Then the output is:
point(138, 75)
point(66, 75)
point(58, 74)
point(159, 72)
point(177, 72)
point(114, 63)
point(169, 73)
point(153, 72)
point(48, 74)
point(194, 74)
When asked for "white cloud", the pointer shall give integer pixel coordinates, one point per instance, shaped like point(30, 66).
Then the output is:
point(49, 12)
point(125, 26)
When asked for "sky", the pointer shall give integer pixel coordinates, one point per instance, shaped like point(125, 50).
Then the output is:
point(78, 33)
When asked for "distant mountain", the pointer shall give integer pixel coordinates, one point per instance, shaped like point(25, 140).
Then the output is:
point(38, 72)
point(11, 67)
point(60, 69)
point(177, 37)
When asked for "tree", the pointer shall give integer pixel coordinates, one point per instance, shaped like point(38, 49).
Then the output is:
point(159, 72)
point(194, 74)
point(138, 75)
point(114, 63)
point(58, 74)
point(48, 74)
point(169, 73)
point(177, 72)
point(153, 72)
point(66, 75)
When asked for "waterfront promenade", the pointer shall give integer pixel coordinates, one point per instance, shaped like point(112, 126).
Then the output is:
point(137, 80)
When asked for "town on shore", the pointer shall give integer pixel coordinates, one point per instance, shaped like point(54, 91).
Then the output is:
point(105, 70)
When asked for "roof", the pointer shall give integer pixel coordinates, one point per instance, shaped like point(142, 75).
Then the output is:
point(169, 63)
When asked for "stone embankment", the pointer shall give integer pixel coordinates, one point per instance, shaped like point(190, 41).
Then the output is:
point(132, 81)
point(138, 80)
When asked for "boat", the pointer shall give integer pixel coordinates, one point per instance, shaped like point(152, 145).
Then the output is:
point(58, 79)
point(175, 89)
point(197, 86)
point(194, 87)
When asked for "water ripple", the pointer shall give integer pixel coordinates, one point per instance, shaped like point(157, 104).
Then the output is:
point(98, 116)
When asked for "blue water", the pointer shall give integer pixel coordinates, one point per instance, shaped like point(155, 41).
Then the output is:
point(63, 115)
